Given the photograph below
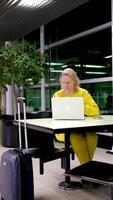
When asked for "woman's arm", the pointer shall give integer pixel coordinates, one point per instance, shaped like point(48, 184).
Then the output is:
point(90, 106)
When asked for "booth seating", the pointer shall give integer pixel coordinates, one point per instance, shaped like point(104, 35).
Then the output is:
point(94, 171)
point(41, 145)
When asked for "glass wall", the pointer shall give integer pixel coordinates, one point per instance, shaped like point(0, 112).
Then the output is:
point(85, 42)
point(100, 89)
point(80, 39)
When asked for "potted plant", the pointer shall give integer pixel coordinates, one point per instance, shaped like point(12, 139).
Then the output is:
point(21, 65)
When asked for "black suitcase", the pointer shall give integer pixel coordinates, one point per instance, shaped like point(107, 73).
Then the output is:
point(16, 171)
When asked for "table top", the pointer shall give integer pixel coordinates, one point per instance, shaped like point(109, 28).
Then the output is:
point(50, 124)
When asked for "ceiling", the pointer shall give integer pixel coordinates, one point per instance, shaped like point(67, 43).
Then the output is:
point(18, 19)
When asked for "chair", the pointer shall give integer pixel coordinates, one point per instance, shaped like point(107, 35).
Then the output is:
point(44, 149)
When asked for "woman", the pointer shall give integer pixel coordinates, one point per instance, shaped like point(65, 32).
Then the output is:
point(83, 145)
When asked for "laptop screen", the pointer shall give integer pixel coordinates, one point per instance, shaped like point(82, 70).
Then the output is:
point(67, 107)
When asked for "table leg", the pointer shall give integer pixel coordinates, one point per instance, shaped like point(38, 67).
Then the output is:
point(68, 184)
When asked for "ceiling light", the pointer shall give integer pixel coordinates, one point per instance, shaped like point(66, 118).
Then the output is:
point(94, 66)
point(34, 3)
point(78, 65)
point(108, 56)
point(88, 66)
point(53, 63)
point(52, 79)
point(64, 66)
point(88, 72)
point(56, 71)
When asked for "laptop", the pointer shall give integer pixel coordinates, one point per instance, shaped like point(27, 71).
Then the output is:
point(67, 107)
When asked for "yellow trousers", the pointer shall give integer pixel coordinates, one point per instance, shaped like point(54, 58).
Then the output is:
point(83, 145)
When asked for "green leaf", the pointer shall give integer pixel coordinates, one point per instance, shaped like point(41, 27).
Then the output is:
point(22, 64)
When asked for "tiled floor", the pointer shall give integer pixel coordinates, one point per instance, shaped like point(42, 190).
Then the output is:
point(46, 186)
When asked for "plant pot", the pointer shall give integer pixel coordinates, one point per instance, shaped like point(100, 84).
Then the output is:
point(9, 132)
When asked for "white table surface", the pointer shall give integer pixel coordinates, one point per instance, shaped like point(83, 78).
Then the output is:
point(51, 124)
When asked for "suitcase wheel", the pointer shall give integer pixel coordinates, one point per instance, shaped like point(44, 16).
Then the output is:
point(1, 197)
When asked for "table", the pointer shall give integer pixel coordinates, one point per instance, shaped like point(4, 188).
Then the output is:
point(51, 126)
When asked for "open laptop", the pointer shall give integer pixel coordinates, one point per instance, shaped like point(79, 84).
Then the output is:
point(67, 107)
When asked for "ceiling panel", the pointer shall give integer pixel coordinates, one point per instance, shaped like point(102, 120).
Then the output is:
point(17, 19)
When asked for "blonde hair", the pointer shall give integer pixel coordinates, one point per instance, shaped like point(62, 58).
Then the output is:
point(72, 74)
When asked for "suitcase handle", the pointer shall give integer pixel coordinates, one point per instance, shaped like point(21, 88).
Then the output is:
point(21, 100)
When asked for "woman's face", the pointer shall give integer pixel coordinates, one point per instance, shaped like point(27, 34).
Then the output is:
point(67, 84)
